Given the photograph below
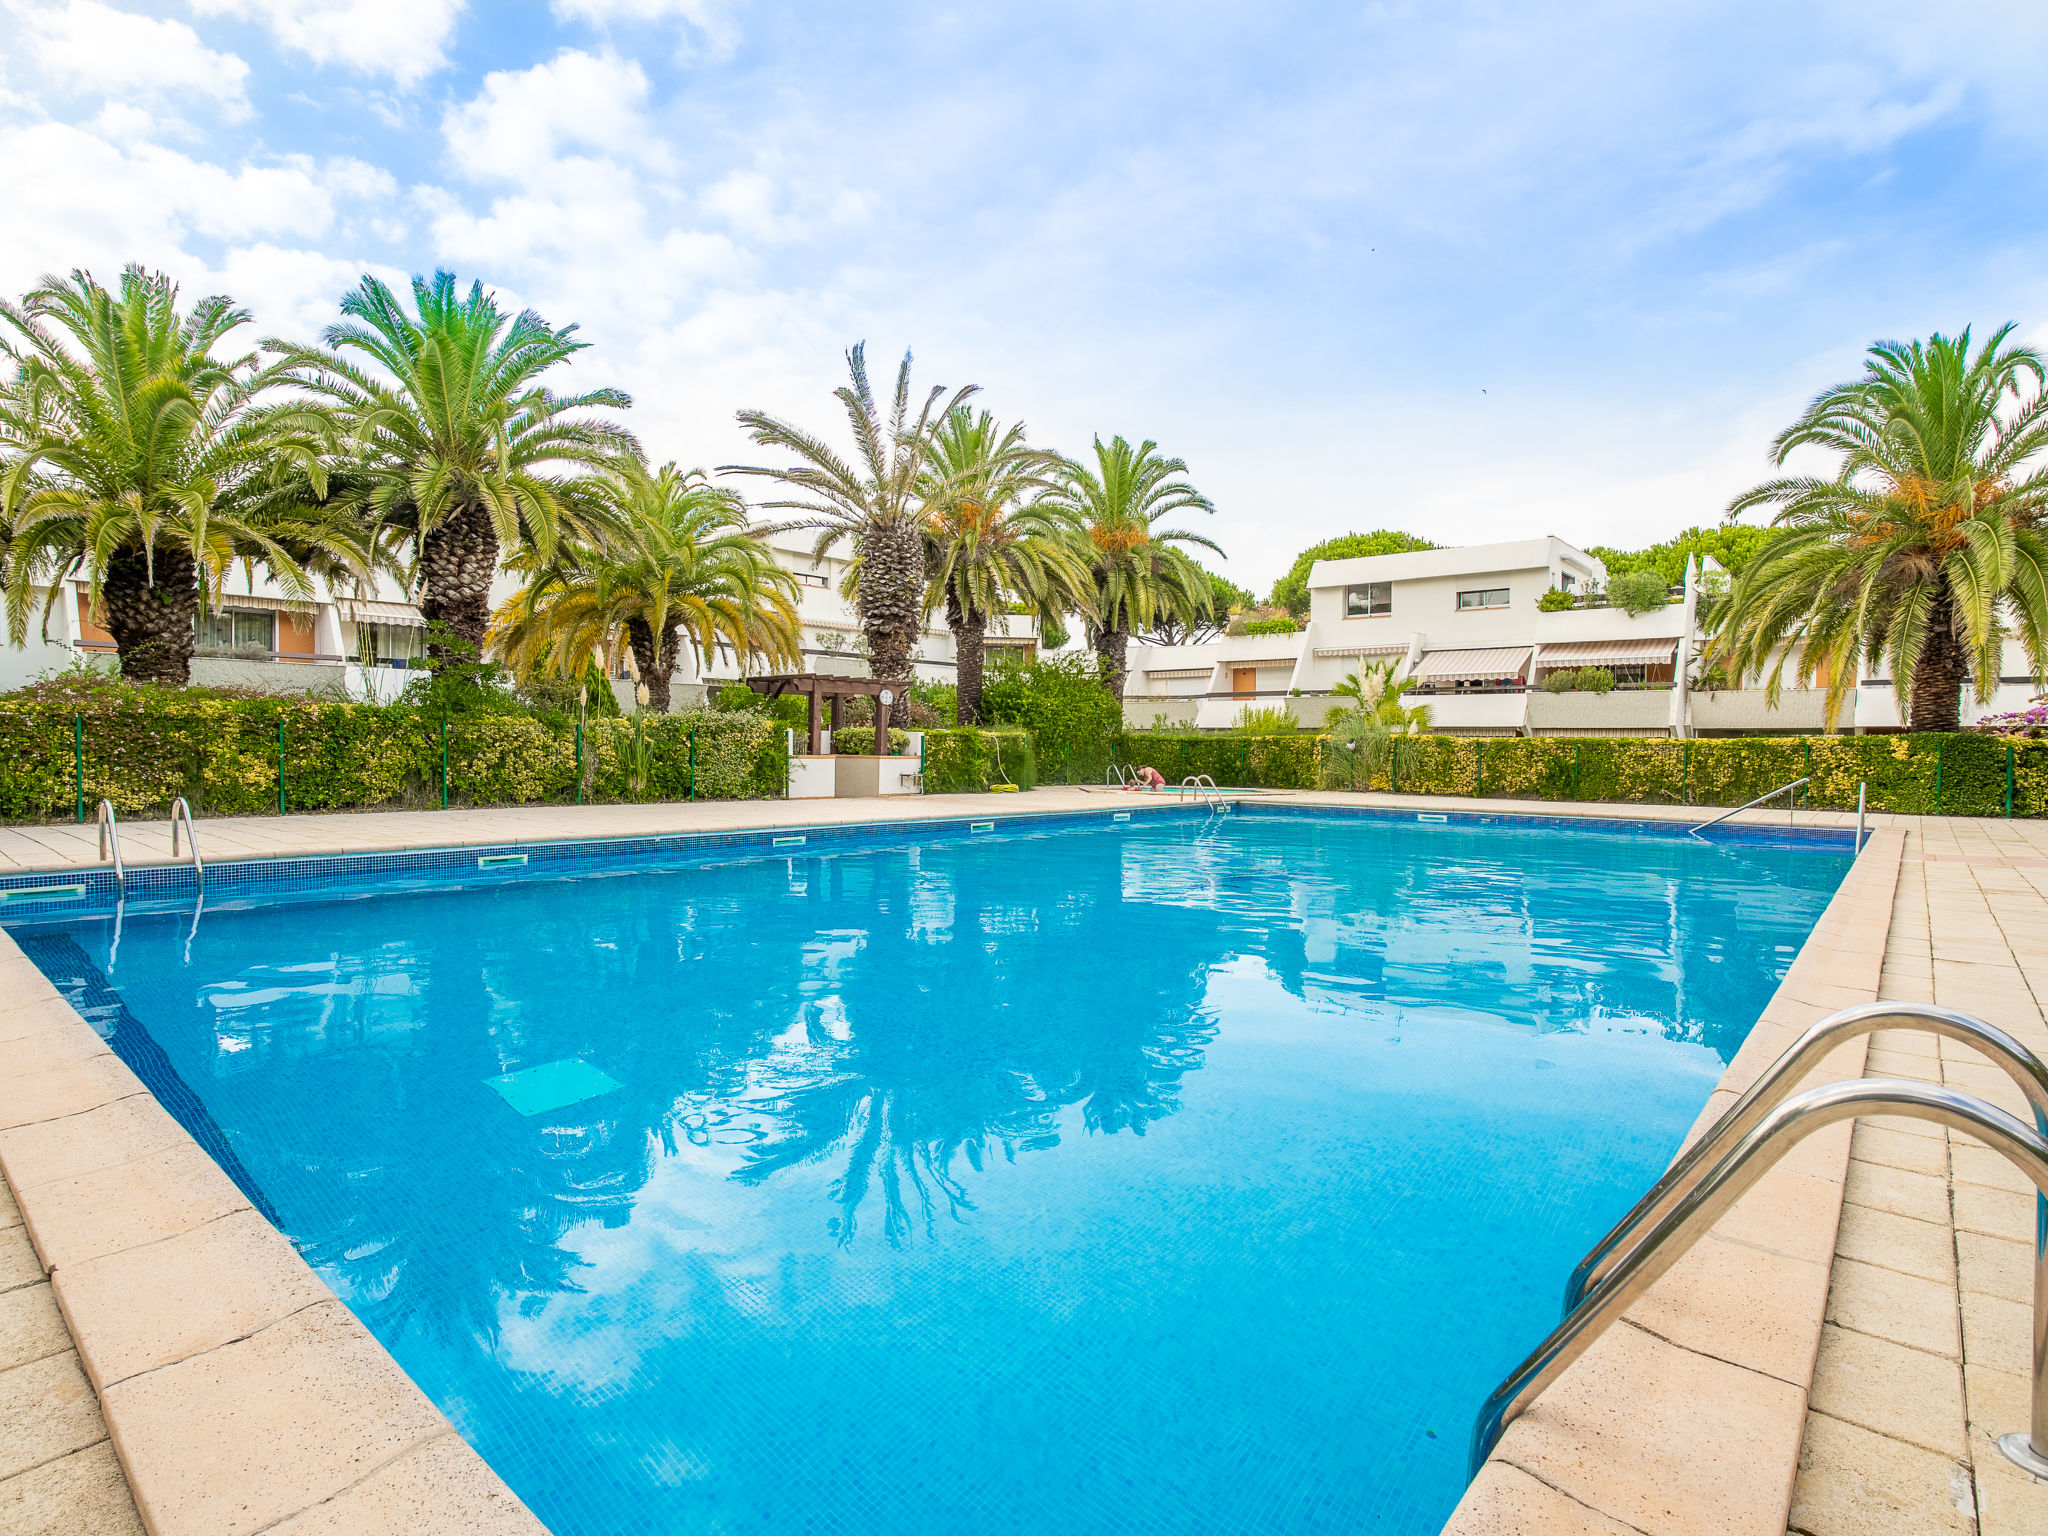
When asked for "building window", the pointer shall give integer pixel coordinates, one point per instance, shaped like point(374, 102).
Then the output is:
point(810, 579)
point(389, 645)
point(1567, 582)
point(1369, 601)
point(1483, 597)
point(238, 629)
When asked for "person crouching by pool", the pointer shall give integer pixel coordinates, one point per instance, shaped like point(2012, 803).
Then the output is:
point(1146, 778)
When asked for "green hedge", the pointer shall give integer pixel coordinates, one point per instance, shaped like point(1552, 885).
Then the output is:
point(1258, 762)
point(225, 756)
point(966, 760)
point(1958, 774)
point(859, 740)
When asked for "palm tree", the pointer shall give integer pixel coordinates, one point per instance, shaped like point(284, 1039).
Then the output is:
point(679, 562)
point(874, 502)
point(458, 450)
point(1136, 570)
point(1923, 549)
point(989, 538)
point(1376, 729)
point(133, 453)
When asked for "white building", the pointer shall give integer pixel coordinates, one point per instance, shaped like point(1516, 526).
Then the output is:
point(832, 641)
point(1466, 625)
point(369, 648)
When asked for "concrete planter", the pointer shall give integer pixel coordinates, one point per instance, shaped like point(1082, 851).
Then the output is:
point(1799, 711)
point(1633, 709)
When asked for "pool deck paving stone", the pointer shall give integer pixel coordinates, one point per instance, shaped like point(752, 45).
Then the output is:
point(1838, 1306)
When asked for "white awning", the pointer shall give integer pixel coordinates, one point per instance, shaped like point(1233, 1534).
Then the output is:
point(263, 604)
point(1179, 671)
point(405, 615)
point(1262, 661)
point(1606, 653)
point(1333, 652)
point(1474, 666)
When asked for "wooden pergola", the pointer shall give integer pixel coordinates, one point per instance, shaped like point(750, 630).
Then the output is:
point(826, 692)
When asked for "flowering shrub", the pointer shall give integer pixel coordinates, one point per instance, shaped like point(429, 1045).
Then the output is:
point(2030, 723)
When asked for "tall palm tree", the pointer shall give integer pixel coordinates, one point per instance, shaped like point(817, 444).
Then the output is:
point(873, 502)
point(1136, 568)
point(1923, 549)
point(134, 453)
point(990, 538)
point(458, 450)
point(679, 562)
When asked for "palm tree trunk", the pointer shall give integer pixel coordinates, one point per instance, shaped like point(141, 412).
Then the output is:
point(657, 663)
point(458, 558)
point(890, 595)
point(1939, 672)
point(151, 605)
point(970, 632)
point(1113, 646)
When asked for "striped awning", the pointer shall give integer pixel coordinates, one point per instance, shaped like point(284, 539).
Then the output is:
point(1334, 652)
point(1178, 671)
point(1606, 653)
point(361, 611)
point(1472, 666)
point(263, 604)
point(1261, 661)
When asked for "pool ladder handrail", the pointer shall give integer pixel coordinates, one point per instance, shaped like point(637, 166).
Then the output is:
point(1710, 1199)
point(110, 830)
point(181, 810)
point(1791, 807)
point(1114, 774)
point(1776, 1084)
point(1204, 789)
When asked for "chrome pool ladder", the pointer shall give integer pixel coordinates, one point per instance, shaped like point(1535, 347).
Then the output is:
point(110, 832)
point(181, 811)
point(1791, 807)
point(1742, 1146)
point(1204, 789)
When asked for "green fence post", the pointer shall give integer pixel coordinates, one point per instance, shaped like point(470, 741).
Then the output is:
point(1394, 769)
point(1479, 773)
point(1066, 761)
point(1940, 753)
point(2008, 781)
point(1685, 776)
point(882, 747)
point(444, 764)
point(280, 765)
point(579, 759)
point(1578, 752)
point(1183, 757)
point(78, 761)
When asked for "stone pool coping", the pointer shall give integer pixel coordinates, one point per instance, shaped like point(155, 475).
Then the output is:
point(242, 1397)
point(1688, 1415)
point(240, 1394)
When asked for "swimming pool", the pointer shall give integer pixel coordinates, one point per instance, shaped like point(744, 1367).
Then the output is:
point(1174, 1174)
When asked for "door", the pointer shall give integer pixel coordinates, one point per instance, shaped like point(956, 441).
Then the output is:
point(1244, 681)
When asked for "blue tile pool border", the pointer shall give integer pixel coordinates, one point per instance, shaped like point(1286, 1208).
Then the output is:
point(44, 895)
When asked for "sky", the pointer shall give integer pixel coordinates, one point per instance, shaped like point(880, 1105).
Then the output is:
point(1472, 270)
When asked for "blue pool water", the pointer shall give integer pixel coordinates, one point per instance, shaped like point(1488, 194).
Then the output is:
point(1157, 1177)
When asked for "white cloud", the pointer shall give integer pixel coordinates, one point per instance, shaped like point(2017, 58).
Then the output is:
point(405, 39)
point(710, 21)
point(101, 206)
point(525, 123)
point(94, 49)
